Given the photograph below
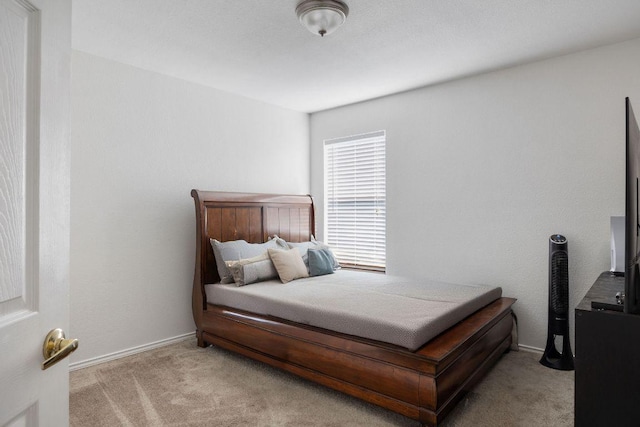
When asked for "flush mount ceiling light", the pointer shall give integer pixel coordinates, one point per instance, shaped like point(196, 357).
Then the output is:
point(322, 16)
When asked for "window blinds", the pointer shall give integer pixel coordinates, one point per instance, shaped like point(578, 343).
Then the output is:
point(355, 199)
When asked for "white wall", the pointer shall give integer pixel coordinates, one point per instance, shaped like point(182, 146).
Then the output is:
point(481, 171)
point(140, 142)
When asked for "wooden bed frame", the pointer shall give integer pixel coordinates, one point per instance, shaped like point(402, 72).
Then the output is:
point(424, 384)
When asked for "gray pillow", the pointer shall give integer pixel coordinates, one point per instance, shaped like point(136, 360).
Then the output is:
point(280, 241)
point(235, 250)
point(320, 261)
point(303, 247)
point(252, 270)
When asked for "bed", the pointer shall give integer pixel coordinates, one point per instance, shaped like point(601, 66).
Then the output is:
point(423, 384)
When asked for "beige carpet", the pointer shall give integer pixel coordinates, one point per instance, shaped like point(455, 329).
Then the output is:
point(184, 385)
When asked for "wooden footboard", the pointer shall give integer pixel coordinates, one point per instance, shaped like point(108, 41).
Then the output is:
point(423, 384)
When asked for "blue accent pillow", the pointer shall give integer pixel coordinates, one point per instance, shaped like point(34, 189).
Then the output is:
point(320, 262)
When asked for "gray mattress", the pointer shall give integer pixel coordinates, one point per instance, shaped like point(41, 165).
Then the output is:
point(395, 310)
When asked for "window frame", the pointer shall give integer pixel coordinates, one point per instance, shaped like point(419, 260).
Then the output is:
point(373, 259)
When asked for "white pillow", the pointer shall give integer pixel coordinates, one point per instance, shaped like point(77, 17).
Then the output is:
point(235, 250)
point(289, 264)
point(252, 270)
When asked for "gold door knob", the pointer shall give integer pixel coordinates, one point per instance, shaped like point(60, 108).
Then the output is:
point(56, 347)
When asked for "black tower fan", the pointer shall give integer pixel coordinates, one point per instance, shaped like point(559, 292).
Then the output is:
point(558, 306)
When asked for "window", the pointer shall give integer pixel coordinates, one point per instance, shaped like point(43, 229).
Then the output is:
point(355, 199)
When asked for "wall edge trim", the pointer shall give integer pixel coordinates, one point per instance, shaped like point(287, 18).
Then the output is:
point(129, 352)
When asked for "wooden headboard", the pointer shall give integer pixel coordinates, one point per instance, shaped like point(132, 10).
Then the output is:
point(248, 216)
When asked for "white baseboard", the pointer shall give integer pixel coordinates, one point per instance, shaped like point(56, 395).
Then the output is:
point(530, 349)
point(150, 346)
point(128, 352)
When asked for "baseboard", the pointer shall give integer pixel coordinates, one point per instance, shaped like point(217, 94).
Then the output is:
point(150, 346)
point(530, 349)
point(128, 352)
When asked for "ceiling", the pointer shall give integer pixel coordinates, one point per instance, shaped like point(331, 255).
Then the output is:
point(258, 49)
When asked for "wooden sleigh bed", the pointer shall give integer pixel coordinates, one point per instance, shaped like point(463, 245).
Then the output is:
point(424, 384)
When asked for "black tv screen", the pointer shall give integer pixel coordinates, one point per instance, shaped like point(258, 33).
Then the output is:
point(632, 224)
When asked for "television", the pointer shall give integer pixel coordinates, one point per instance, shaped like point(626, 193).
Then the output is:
point(632, 222)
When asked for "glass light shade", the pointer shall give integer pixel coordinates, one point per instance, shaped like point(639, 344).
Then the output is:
point(322, 17)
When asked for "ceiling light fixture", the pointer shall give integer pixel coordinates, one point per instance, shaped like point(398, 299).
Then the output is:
point(322, 16)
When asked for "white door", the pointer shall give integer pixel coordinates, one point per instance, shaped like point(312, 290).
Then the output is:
point(35, 62)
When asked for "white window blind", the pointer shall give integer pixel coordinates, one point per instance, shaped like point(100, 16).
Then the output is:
point(355, 196)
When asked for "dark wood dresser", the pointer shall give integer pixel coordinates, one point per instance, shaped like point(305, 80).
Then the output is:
point(607, 361)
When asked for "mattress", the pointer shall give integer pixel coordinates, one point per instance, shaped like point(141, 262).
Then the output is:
point(395, 310)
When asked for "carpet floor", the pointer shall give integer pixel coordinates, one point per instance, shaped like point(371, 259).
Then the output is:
point(184, 385)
